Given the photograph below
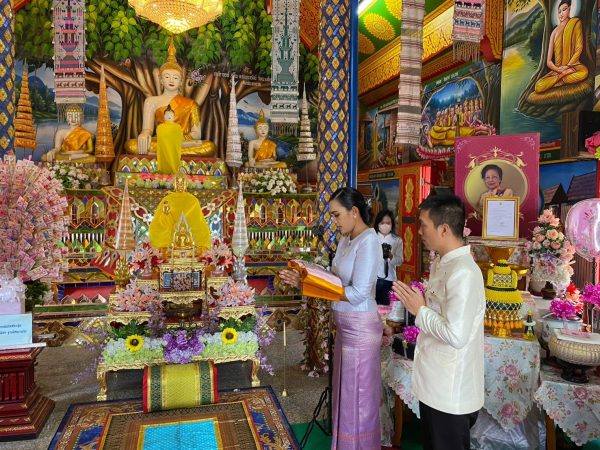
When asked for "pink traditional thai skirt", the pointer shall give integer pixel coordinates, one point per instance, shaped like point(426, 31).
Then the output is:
point(356, 381)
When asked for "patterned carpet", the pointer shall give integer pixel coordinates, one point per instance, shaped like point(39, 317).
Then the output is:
point(83, 423)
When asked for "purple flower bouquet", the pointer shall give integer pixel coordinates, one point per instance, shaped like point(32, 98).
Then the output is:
point(182, 345)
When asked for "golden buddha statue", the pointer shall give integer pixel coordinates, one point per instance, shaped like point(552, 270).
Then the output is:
point(185, 109)
point(262, 151)
point(168, 212)
point(75, 143)
point(182, 238)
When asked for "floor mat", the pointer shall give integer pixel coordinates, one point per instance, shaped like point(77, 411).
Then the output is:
point(83, 423)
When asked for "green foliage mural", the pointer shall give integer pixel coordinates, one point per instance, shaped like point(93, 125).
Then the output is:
point(131, 49)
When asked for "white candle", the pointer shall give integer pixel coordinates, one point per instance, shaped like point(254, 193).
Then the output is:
point(284, 340)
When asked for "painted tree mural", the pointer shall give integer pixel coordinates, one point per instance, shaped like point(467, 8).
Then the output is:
point(132, 50)
point(564, 98)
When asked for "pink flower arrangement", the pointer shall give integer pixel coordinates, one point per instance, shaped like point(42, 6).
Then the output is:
point(182, 281)
point(219, 256)
point(591, 294)
point(136, 298)
point(33, 221)
point(563, 309)
point(410, 334)
point(550, 252)
point(235, 293)
point(145, 257)
point(548, 239)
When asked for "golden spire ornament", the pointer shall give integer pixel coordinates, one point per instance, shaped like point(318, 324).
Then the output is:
point(125, 240)
point(105, 150)
point(24, 124)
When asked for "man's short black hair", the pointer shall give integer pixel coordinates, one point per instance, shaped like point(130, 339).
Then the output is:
point(446, 209)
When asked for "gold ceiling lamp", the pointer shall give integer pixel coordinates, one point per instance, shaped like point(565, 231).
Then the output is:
point(178, 16)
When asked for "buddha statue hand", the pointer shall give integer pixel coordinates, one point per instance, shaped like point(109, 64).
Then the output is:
point(143, 141)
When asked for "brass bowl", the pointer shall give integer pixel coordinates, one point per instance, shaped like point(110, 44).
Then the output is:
point(521, 270)
point(498, 253)
point(182, 312)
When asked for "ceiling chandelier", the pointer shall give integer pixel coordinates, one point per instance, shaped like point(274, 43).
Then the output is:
point(178, 16)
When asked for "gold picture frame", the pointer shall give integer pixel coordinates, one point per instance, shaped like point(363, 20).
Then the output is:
point(500, 218)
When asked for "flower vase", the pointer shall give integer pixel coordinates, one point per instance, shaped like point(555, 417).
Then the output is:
point(147, 272)
point(219, 271)
point(536, 286)
point(548, 291)
point(409, 350)
point(595, 319)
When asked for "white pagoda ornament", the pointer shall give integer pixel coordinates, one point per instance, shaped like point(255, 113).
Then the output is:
point(239, 241)
point(233, 156)
point(306, 146)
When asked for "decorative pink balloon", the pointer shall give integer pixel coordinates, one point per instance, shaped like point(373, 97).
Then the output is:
point(583, 228)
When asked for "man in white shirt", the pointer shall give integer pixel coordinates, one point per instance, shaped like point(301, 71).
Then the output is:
point(448, 368)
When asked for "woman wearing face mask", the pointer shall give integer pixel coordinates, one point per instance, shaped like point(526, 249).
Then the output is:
point(392, 255)
point(356, 357)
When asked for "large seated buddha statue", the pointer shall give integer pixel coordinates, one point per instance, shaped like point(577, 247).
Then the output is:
point(74, 143)
point(185, 109)
point(168, 213)
point(262, 151)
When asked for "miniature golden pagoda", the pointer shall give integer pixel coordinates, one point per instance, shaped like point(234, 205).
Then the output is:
point(24, 124)
point(105, 150)
point(125, 240)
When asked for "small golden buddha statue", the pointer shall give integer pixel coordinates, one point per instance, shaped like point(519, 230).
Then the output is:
point(182, 239)
point(75, 143)
point(262, 151)
point(168, 212)
point(186, 114)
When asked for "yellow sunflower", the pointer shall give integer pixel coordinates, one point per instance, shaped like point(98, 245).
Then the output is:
point(229, 336)
point(134, 342)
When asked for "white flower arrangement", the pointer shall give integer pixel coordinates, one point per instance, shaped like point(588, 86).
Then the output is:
point(275, 181)
point(72, 176)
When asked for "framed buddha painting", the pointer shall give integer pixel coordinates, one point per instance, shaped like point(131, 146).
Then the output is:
point(548, 65)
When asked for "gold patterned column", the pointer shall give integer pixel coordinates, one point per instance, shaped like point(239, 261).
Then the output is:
point(7, 77)
point(334, 104)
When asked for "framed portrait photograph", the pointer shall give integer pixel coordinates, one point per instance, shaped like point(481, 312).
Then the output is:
point(500, 218)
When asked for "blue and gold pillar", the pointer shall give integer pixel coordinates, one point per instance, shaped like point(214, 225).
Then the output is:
point(7, 77)
point(334, 105)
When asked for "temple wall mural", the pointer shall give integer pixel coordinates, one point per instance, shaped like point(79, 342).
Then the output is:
point(462, 103)
point(132, 49)
point(542, 38)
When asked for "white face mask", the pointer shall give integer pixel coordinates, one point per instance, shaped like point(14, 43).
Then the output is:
point(385, 228)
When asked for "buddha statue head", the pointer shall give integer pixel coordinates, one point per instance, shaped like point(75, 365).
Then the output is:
point(74, 114)
point(180, 181)
point(171, 73)
point(261, 126)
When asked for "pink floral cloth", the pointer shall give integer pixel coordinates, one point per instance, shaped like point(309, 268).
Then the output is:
point(573, 407)
point(512, 368)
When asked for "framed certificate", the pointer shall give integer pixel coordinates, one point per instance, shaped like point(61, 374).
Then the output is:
point(500, 218)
